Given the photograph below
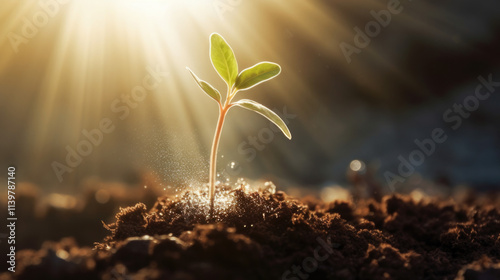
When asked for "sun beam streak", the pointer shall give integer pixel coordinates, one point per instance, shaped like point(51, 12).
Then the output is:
point(93, 52)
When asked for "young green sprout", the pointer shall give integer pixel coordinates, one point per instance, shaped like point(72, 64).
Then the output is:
point(224, 62)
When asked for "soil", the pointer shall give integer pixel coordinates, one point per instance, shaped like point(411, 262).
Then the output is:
point(267, 235)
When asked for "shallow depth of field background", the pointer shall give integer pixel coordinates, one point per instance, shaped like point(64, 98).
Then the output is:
point(90, 53)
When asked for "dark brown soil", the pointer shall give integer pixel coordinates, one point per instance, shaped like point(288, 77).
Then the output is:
point(273, 236)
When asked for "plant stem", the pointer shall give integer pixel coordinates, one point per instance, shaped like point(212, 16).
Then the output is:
point(213, 156)
point(215, 146)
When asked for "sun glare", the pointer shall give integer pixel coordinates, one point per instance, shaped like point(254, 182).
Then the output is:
point(91, 54)
point(82, 57)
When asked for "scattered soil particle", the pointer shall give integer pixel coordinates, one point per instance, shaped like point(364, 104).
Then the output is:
point(265, 235)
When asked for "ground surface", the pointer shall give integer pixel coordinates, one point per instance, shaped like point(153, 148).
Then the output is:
point(264, 235)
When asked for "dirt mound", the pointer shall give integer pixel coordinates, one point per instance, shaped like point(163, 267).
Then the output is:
point(265, 235)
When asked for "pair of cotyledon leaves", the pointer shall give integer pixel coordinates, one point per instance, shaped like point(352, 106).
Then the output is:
point(224, 62)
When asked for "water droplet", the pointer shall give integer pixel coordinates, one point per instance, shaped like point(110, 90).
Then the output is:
point(357, 165)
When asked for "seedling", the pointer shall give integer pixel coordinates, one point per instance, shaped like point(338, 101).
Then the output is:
point(225, 64)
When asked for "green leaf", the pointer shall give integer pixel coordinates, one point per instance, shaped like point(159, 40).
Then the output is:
point(257, 74)
point(206, 87)
point(223, 60)
point(266, 112)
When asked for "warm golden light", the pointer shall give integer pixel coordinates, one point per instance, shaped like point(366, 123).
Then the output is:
point(117, 68)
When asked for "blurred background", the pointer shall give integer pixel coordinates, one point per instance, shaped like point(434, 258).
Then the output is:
point(98, 89)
